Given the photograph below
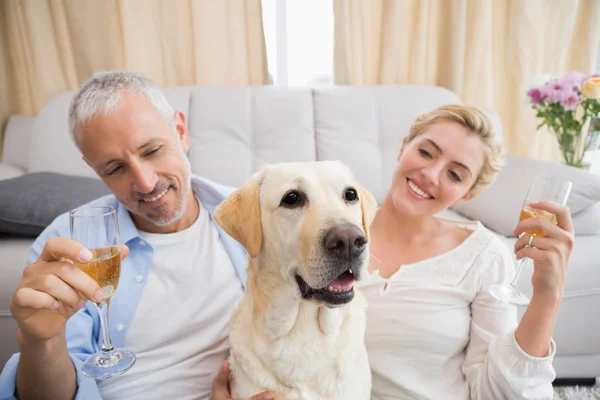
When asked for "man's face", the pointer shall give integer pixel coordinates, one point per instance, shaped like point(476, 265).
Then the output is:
point(141, 159)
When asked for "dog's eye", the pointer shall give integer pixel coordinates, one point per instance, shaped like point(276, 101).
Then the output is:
point(292, 199)
point(351, 195)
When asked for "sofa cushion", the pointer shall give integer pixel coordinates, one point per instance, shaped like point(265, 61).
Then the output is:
point(29, 203)
point(498, 207)
point(235, 131)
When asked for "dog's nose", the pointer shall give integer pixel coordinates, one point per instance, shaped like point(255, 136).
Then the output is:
point(345, 241)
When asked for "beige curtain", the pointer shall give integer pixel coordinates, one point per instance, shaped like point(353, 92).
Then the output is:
point(486, 51)
point(49, 46)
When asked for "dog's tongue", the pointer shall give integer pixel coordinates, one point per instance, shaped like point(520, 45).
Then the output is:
point(343, 282)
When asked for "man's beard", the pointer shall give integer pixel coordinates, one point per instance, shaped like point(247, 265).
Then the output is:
point(162, 219)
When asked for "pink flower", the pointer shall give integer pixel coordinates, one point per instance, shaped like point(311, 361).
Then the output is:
point(571, 102)
point(535, 95)
point(557, 91)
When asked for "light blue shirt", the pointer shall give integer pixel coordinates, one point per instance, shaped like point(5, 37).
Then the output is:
point(83, 328)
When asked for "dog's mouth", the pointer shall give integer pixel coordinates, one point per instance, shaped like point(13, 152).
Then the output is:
point(337, 292)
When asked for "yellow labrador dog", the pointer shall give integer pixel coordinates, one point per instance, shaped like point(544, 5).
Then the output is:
point(299, 328)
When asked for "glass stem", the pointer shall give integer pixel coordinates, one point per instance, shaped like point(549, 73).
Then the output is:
point(520, 266)
point(107, 346)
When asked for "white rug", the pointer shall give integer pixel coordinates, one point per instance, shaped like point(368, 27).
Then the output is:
point(578, 392)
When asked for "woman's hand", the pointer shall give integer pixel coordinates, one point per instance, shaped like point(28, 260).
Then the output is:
point(550, 253)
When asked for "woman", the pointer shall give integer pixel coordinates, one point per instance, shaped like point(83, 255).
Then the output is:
point(433, 330)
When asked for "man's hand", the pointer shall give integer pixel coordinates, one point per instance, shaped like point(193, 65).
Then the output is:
point(220, 387)
point(52, 290)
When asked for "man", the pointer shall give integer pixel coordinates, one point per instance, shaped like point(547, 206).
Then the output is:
point(180, 280)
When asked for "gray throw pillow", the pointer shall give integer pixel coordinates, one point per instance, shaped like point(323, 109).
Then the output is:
point(29, 203)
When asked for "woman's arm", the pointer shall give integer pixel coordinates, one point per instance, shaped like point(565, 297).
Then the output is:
point(551, 257)
point(504, 362)
point(495, 365)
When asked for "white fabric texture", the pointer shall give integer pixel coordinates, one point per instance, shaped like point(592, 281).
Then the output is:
point(433, 332)
point(182, 320)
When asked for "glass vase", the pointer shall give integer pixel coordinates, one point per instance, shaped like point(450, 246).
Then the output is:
point(579, 148)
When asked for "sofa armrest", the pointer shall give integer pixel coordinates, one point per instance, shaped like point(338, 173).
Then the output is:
point(8, 171)
point(17, 137)
point(587, 222)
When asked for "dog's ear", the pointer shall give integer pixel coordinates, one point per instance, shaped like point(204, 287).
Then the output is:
point(368, 206)
point(239, 215)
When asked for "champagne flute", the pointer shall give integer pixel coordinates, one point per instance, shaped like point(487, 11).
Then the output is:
point(97, 229)
point(542, 188)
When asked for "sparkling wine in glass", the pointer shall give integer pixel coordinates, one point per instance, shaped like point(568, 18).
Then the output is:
point(97, 229)
point(542, 188)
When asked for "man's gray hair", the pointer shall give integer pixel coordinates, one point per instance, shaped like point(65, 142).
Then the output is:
point(101, 94)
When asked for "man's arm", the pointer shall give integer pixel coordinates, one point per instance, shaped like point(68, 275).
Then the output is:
point(47, 297)
point(45, 363)
point(45, 370)
point(78, 334)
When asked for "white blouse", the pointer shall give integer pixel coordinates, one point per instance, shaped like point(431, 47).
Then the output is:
point(434, 333)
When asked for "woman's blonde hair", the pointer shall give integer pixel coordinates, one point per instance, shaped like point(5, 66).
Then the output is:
point(478, 124)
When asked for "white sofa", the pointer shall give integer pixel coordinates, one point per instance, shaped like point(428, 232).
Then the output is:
point(236, 130)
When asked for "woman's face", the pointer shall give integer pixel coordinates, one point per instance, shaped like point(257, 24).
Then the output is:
point(436, 169)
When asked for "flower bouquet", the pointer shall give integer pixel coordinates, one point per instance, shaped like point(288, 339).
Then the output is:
point(567, 105)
